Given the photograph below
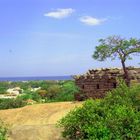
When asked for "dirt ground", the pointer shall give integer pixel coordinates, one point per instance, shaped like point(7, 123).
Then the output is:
point(36, 122)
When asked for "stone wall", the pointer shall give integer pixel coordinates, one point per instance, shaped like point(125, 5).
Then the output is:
point(95, 83)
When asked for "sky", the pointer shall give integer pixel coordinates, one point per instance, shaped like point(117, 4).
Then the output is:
point(58, 37)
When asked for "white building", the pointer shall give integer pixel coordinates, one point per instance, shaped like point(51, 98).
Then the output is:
point(16, 90)
point(35, 89)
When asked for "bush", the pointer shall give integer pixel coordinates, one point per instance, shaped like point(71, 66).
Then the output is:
point(3, 87)
point(3, 131)
point(36, 97)
point(42, 93)
point(63, 91)
point(25, 96)
point(68, 90)
point(115, 117)
point(53, 91)
point(11, 103)
point(69, 87)
point(64, 97)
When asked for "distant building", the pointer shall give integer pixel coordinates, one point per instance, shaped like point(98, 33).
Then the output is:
point(95, 83)
point(35, 89)
point(15, 91)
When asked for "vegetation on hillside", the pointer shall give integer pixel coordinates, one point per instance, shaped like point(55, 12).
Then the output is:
point(49, 91)
point(115, 117)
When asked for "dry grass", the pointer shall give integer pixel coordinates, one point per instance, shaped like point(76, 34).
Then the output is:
point(36, 122)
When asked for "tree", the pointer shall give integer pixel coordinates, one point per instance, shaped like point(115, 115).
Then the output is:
point(117, 47)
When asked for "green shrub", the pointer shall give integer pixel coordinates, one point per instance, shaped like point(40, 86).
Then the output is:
point(68, 90)
point(36, 97)
point(11, 103)
point(116, 117)
point(53, 91)
point(3, 131)
point(63, 91)
point(42, 93)
point(25, 97)
point(64, 97)
point(30, 95)
point(3, 90)
point(69, 87)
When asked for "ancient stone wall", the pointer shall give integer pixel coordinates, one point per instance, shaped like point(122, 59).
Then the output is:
point(95, 83)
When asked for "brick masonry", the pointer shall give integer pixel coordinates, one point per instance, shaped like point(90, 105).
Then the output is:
point(95, 83)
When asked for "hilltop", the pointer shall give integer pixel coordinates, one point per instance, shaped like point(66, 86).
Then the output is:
point(36, 122)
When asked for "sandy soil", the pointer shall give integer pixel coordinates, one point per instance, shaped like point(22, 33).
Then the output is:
point(36, 122)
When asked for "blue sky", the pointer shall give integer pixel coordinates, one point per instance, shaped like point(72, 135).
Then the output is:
point(58, 37)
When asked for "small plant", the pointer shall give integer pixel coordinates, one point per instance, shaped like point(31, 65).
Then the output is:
point(3, 131)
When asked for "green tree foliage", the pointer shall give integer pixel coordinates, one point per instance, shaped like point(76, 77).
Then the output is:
point(50, 91)
point(42, 93)
point(116, 117)
point(11, 103)
point(36, 97)
point(117, 47)
point(30, 95)
point(68, 89)
point(3, 87)
point(53, 91)
point(3, 131)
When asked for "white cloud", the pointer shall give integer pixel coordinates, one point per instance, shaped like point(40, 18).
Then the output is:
point(88, 20)
point(60, 13)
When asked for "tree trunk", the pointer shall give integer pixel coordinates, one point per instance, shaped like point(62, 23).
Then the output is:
point(126, 76)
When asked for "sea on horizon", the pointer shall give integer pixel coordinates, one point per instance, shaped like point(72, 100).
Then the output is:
point(37, 78)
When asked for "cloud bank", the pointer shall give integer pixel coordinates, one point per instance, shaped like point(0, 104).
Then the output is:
point(60, 13)
point(91, 21)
